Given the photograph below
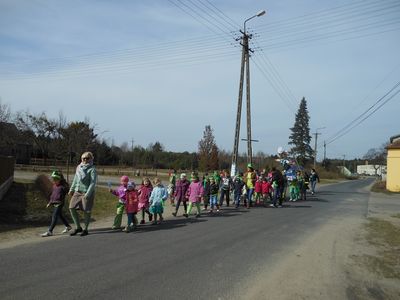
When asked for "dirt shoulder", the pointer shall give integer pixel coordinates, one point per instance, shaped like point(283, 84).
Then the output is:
point(348, 258)
point(28, 235)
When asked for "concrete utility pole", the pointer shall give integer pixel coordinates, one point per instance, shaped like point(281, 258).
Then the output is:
point(316, 133)
point(244, 64)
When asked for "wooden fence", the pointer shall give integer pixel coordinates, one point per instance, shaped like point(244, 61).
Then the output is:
point(7, 164)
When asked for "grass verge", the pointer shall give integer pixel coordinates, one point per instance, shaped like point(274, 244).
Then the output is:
point(386, 238)
point(380, 187)
point(25, 206)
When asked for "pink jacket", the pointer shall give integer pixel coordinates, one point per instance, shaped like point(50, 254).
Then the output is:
point(132, 201)
point(144, 193)
point(195, 191)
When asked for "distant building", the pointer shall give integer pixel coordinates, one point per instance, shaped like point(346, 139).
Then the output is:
point(393, 164)
point(13, 143)
point(371, 170)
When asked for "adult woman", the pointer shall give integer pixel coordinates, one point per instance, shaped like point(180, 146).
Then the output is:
point(82, 192)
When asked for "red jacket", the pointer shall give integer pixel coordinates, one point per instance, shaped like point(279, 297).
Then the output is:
point(266, 187)
point(258, 186)
point(132, 201)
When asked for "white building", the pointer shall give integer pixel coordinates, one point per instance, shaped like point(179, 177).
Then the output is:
point(372, 170)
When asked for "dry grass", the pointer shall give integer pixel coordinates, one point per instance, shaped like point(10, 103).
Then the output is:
point(380, 187)
point(386, 237)
point(25, 205)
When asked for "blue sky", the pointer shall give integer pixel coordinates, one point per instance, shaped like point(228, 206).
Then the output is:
point(150, 71)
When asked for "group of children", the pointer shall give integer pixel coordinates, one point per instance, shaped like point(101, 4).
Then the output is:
point(149, 199)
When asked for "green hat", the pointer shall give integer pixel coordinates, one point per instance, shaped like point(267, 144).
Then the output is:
point(249, 165)
point(56, 175)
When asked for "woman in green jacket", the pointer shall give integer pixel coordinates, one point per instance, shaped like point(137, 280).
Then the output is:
point(82, 192)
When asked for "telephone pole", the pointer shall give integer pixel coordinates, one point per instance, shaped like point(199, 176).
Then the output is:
point(245, 64)
point(324, 150)
point(316, 133)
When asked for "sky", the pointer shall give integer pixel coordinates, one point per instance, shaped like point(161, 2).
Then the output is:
point(154, 70)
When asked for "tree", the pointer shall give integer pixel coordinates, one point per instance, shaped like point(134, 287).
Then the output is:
point(208, 151)
point(300, 137)
point(5, 112)
point(377, 156)
point(39, 129)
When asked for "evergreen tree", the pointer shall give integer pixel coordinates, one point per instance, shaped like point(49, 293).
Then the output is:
point(208, 151)
point(300, 137)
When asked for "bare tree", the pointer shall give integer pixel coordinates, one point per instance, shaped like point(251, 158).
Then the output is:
point(5, 112)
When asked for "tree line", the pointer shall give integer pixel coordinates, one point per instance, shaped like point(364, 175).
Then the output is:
point(63, 140)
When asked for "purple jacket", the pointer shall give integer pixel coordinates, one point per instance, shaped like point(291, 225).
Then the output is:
point(195, 191)
point(181, 189)
point(120, 192)
point(58, 194)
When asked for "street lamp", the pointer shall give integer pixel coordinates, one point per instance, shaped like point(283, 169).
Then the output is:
point(259, 14)
point(244, 65)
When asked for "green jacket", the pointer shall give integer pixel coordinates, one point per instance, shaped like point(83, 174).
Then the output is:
point(87, 184)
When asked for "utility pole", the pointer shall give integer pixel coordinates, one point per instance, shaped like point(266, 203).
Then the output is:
point(133, 157)
point(244, 64)
point(324, 150)
point(316, 133)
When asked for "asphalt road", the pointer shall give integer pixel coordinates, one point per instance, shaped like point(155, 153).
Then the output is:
point(212, 257)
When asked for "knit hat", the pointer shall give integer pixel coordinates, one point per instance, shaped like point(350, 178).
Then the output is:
point(249, 165)
point(56, 175)
point(131, 185)
point(183, 175)
point(124, 178)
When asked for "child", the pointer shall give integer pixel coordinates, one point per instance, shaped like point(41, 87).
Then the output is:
point(226, 183)
point(302, 186)
point(181, 188)
point(258, 190)
point(158, 195)
point(194, 193)
point(206, 196)
point(144, 193)
point(131, 206)
point(293, 188)
point(213, 195)
point(121, 194)
point(238, 185)
point(266, 189)
point(57, 198)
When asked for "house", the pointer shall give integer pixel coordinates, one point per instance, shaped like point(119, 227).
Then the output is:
point(371, 170)
point(13, 143)
point(393, 164)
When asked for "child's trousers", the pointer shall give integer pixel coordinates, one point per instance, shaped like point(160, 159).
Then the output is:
point(132, 219)
point(118, 217)
point(189, 210)
point(213, 201)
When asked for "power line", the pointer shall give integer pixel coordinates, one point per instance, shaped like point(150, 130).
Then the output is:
point(366, 114)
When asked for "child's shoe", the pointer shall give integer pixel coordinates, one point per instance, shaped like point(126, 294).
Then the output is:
point(47, 233)
point(150, 217)
point(198, 216)
point(84, 232)
point(174, 214)
point(126, 229)
point(142, 222)
point(186, 215)
point(68, 228)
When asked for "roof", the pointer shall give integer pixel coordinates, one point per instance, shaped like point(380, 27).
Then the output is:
point(394, 145)
point(394, 138)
